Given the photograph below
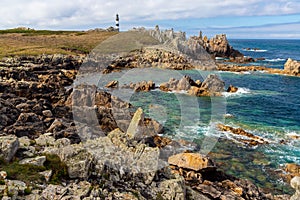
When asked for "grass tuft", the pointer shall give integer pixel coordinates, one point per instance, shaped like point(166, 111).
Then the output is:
point(30, 173)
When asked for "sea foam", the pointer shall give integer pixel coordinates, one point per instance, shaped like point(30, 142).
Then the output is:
point(256, 50)
point(275, 60)
point(240, 92)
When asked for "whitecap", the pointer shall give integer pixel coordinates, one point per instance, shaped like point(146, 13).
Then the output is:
point(191, 132)
point(178, 92)
point(247, 72)
point(275, 60)
point(256, 50)
point(241, 91)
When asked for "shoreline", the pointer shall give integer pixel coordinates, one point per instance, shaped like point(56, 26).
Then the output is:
point(38, 97)
point(62, 73)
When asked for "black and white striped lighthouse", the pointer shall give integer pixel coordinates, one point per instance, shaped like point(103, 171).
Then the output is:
point(117, 23)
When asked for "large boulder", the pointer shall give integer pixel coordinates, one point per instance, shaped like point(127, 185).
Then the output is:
point(193, 161)
point(9, 146)
point(213, 84)
point(77, 159)
point(292, 67)
point(295, 183)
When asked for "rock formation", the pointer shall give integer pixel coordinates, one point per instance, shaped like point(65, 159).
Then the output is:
point(251, 140)
point(211, 86)
point(232, 89)
point(150, 58)
point(144, 86)
point(290, 70)
point(191, 161)
point(218, 46)
point(112, 84)
point(292, 67)
point(49, 131)
point(295, 183)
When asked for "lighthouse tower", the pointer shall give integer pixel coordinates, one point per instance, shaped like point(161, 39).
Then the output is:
point(117, 23)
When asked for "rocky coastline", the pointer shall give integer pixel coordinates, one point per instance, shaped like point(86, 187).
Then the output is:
point(41, 136)
point(49, 150)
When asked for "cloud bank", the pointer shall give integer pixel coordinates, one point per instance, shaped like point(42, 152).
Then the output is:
point(83, 14)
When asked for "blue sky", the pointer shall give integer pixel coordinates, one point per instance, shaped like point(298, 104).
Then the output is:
point(236, 18)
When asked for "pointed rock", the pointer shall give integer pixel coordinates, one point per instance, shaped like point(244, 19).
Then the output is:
point(135, 129)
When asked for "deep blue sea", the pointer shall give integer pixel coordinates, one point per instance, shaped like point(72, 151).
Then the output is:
point(265, 105)
point(275, 51)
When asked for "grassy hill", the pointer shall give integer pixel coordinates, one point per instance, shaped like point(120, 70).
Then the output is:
point(34, 42)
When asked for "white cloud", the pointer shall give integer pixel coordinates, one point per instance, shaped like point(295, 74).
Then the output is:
point(290, 30)
point(55, 14)
point(84, 14)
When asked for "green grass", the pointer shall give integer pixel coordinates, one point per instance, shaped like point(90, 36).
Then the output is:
point(30, 173)
point(26, 173)
point(31, 32)
point(19, 42)
point(59, 169)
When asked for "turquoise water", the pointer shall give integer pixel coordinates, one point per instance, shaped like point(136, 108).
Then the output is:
point(265, 105)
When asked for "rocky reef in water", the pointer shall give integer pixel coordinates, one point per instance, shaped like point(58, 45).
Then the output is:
point(50, 151)
point(212, 85)
point(291, 68)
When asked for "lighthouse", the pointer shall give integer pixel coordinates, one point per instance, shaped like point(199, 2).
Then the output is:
point(117, 23)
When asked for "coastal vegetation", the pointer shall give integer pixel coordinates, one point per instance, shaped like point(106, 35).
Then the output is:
point(16, 42)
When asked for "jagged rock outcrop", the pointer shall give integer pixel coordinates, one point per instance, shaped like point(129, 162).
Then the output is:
point(169, 50)
point(211, 86)
point(218, 46)
point(150, 57)
point(292, 67)
point(143, 86)
point(184, 83)
point(190, 48)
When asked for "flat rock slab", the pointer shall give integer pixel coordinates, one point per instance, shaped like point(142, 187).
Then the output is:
point(193, 161)
point(38, 161)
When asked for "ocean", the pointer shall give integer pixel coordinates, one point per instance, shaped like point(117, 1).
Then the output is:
point(265, 105)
